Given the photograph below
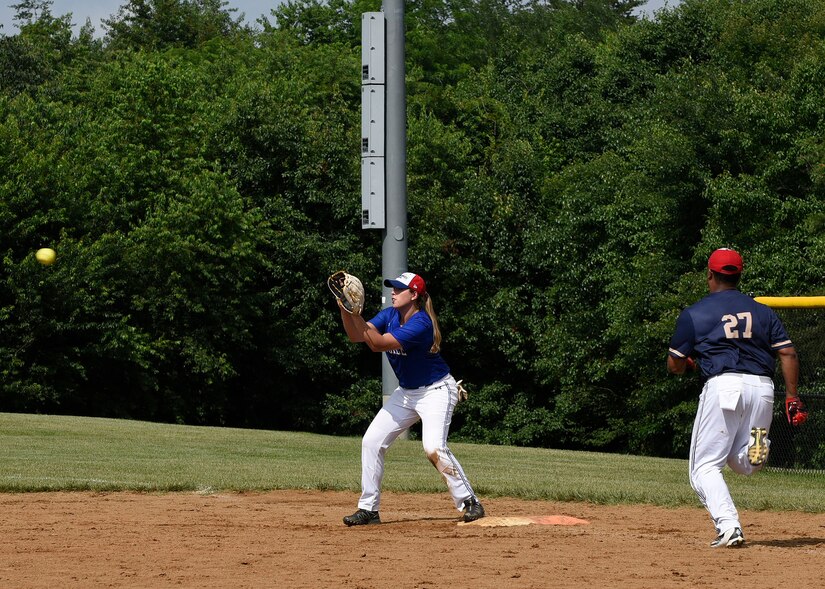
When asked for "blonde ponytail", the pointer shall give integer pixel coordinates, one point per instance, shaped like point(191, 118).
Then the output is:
point(426, 302)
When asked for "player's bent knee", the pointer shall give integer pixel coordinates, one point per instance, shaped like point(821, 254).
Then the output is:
point(432, 452)
point(440, 459)
point(374, 442)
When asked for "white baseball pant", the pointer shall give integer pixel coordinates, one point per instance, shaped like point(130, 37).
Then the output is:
point(729, 406)
point(434, 405)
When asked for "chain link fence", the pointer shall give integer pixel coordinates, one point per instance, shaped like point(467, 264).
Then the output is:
point(799, 448)
point(802, 448)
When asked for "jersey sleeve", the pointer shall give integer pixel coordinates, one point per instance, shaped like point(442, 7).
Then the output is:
point(381, 320)
point(779, 337)
point(681, 344)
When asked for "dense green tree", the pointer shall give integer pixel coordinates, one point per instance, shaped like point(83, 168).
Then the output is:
point(161, 24)
point(317, 22)
point(41, 50)
point(569, 170)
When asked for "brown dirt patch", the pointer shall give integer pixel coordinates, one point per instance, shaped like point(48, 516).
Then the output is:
point(296, 539)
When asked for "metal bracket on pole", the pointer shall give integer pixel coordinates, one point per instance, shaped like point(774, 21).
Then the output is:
point(373, 117)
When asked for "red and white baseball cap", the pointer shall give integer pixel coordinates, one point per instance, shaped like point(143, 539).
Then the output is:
point(726, 261)
point(408, 280)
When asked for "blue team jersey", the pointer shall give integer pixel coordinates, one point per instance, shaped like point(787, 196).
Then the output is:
point(414, 364)
point(728, 331)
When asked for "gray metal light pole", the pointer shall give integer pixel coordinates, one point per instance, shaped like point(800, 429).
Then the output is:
point(394, 248)
point(384, 146)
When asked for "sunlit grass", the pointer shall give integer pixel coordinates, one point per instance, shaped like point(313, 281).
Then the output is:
point(50, 453)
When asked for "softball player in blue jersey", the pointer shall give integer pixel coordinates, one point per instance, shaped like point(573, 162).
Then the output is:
point(408, 333)
point(735, 342)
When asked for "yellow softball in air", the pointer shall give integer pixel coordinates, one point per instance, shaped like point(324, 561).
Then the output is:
point(46, 256)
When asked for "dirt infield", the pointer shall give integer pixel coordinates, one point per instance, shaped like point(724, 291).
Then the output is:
point(296, 539)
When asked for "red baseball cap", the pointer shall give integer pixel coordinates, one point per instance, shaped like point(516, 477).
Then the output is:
point(726, 261)
point(408, 280)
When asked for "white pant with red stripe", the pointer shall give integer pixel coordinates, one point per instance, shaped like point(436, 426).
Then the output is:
point(433, 405)
point(730, 405)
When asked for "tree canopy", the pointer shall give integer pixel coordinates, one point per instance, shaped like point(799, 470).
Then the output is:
point(570, 168)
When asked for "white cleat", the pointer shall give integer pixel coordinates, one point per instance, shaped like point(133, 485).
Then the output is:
point(731, 538)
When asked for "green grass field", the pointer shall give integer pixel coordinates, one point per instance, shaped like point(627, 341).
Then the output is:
point(51, 453)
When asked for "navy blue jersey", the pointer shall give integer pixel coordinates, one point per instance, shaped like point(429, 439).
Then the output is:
point(728, 331)
point(414, 364)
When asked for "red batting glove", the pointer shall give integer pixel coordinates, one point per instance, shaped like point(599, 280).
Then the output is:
point(691, 364)
point(796, 411)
